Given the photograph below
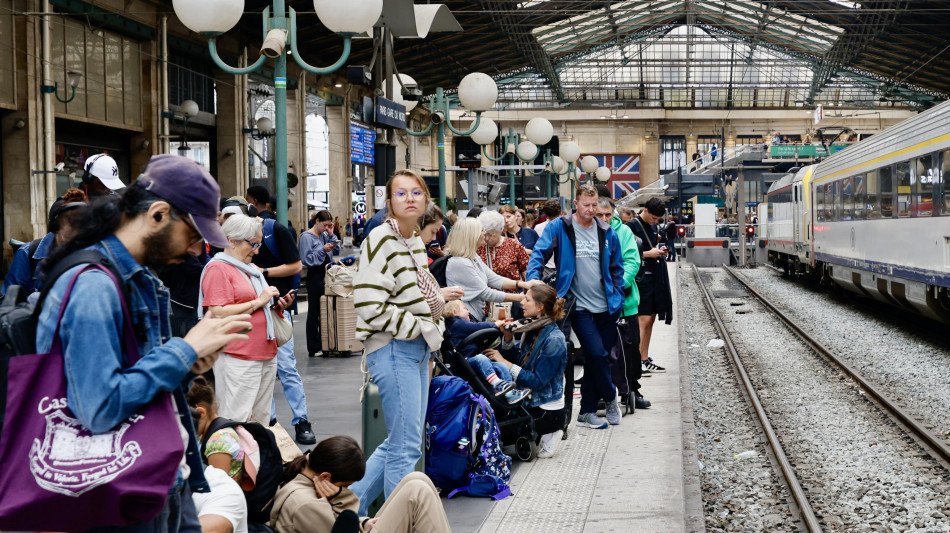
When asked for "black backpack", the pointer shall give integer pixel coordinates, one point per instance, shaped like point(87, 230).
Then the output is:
point(437, 268)
point(260, 498)
point(19, 318)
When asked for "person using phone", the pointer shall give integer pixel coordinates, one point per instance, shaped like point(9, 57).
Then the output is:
point(318, 246)
point(230, 284)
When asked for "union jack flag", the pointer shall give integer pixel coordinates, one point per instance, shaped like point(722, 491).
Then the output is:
point(624, 173)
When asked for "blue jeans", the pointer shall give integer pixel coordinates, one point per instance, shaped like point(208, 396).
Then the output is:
point(401, 371)
point(485, 366)
point(178, 516)
point(597, 333)
point(290, 380)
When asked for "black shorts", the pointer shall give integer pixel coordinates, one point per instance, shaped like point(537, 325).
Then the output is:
point(648, 291)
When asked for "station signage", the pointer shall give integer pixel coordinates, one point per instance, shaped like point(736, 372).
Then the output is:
point(389, 113)
point(362, 139)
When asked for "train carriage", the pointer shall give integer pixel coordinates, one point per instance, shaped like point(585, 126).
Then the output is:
point(875, 218)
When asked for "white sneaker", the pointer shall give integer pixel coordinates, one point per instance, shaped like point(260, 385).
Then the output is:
point(549, 444)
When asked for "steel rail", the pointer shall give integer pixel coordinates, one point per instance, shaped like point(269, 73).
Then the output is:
point(936, 446)
point(798, 493)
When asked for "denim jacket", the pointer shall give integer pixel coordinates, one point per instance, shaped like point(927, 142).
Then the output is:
point(102, 390)
point(543, 372)
point(21, 271)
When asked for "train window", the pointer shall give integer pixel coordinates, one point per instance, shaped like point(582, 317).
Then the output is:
point(925, 176)
point(836, 201)
point(847, 199)
point(873, 187)
point(942, 185)
point(860, 197)
point(819, 201)
point(905, 189)
point(887, 192)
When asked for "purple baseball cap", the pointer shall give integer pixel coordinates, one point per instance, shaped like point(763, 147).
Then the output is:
point(188, 187)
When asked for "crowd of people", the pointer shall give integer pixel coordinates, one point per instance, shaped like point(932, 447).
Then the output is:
point(210, 286)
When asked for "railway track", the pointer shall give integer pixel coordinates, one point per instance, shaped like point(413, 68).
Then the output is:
point(810, 518)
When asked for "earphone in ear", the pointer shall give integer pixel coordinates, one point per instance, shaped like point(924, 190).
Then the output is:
point(157, 217)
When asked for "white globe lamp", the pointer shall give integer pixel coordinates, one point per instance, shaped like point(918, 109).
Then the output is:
point(602, 173)
point(358, 16)
point(578, 174)
point(210, 17)
point(527, 151)
point(189, 108)
point(486, 133)
point(399, 81)
point(265, 125)
point(539, 131)
point(570, 151)
point(589, 163)
point(558, 165)
point(478, 92)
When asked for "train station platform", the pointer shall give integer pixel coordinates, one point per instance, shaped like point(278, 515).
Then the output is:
point(640, 476)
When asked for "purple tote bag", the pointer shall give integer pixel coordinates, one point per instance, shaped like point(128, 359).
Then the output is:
point(56, 475)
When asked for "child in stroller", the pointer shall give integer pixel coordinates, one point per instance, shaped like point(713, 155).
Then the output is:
point(459, 325)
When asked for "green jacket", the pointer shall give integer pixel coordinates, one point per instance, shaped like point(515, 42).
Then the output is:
point(631, 264)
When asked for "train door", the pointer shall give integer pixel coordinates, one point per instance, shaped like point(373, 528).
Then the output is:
point(798, 207)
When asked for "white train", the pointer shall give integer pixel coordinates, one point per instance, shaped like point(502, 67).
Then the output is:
point(874, 218)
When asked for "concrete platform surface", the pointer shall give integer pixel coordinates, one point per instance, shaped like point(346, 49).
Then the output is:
point(627, 478)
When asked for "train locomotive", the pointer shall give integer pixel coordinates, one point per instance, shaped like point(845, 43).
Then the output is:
point(874, 218)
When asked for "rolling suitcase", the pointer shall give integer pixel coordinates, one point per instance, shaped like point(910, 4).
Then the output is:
point(338, 325)
point(374, 432)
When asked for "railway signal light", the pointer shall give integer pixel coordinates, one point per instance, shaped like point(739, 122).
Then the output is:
point(681, 230)
point(750, 230)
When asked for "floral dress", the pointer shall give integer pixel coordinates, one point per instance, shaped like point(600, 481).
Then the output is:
point(509, 260)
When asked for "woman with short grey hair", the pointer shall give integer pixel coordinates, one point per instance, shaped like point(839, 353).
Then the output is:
point(230, 285)
point(505, 256)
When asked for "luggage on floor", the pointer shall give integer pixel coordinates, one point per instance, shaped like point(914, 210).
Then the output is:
point(338, 325)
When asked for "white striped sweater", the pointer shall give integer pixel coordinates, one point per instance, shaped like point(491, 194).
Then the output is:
point(389, 304)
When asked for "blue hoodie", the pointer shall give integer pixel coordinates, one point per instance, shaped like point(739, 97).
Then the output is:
point(558, 239)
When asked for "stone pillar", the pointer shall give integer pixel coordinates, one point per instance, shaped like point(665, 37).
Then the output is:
point(339, 168)
point(231, 141)
point(295, 160)
point(692, 147)
point(650, 160)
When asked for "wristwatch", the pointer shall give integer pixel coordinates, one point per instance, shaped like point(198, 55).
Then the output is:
point(265, 272)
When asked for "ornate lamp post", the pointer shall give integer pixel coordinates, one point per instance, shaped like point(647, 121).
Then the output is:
point(214, 17)
point(477, 92)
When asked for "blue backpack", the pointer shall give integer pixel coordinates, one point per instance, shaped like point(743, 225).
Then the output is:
point(463, 450)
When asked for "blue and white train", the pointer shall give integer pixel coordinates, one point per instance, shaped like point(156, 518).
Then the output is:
point(875, 218)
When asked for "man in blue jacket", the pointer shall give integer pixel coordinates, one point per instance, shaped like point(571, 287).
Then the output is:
point(589, 265)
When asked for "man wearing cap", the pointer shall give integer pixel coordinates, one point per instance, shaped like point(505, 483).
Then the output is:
point(101, 176)
point(155, 222)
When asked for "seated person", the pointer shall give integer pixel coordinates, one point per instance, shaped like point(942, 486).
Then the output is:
point(314, 497)
point(459, 325)
point(537, 363)
point(230, 449)
point(224, 509)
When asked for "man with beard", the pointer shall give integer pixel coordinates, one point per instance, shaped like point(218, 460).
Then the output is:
point(155, 222)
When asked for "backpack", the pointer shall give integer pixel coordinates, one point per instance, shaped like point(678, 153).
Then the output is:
point(260, 498)
point(19, 318)
point(463, 449)
point(437, 268)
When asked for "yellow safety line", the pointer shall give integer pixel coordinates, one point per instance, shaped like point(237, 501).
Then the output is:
point(903, 151)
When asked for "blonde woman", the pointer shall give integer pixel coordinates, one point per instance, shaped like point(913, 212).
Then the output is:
point(466, 270)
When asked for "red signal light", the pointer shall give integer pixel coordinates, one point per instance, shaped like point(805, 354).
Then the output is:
point(750, 230)
point(681, 230)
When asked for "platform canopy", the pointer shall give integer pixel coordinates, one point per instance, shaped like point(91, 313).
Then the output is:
point(719, 54)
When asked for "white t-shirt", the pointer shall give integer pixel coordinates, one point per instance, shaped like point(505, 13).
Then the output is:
point(540, 229)
point(226, 499)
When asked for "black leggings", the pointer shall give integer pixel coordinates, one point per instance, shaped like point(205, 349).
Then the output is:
point(315, 289)
point(546, 421)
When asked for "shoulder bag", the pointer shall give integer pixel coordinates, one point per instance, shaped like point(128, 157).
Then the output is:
point(56, 475)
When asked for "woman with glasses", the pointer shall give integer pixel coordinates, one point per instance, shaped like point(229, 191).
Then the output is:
point(505, 256)
point(230, 285)
point(399, 319)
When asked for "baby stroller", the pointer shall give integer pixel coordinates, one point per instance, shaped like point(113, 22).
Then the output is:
point(514, 421)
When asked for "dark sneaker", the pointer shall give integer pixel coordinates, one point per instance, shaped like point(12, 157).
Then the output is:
point(273, 422)
point(502, 387)
point(305, 432)
point(652, 367)
point(642, 403)
point(516, 396)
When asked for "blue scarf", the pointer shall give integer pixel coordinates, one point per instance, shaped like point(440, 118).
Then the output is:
point(255, 276)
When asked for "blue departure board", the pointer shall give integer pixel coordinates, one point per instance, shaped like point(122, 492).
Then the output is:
point(361, 144)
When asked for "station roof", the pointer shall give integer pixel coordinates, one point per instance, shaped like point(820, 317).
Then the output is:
point(672, 53)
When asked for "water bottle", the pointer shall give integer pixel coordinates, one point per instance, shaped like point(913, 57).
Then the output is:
point(462, 447)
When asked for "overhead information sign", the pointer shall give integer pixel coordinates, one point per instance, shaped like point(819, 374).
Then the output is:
point(389, 113)
point(362, 150)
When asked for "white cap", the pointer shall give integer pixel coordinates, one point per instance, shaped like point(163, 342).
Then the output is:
point(102, 166)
